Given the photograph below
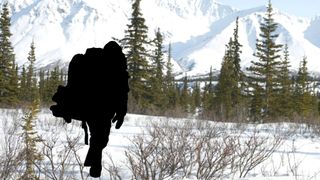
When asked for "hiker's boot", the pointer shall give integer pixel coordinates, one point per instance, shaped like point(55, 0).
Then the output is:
point(95, 171)
point(93, 157)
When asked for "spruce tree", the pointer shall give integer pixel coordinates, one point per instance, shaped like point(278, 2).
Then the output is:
point(238, 74)
point(54, 80)
point(284, 100)
point(158, 59)
point(30, 153)
point(185, 96)
point(225, 86)
point(48, 88)
point(170, 86)
point(42, 82)
point(157, 77)
point(8, 91)
point(305, 101)
point(196, 96)
point(14, 84)
point(208, 97)
point(169, 67)
point(31, 92)
point(135, 44)
point(264, 72)
point(23, 84)
point(50, 84)
point(256, 105)
point(229, 89)
point(236, 51)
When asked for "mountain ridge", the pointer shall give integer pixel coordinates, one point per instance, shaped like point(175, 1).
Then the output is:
point(197, 29)
point(291, 30)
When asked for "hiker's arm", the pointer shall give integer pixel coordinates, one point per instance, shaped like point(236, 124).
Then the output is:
point(123, 95)
point(121, 111)
point(121, 107)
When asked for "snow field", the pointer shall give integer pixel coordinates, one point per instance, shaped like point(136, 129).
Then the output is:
point(296, 157)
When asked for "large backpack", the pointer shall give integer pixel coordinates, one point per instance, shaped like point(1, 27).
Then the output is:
point(97, 86)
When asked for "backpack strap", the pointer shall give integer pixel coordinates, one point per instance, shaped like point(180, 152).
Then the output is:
point(85, 128)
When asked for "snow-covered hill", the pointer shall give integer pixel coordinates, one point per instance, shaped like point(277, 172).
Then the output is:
point(200, 52)
point(62, 28)
point(198, 29)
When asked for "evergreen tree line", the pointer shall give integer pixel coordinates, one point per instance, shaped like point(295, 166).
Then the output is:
point(41, 84)
point(266, 91)
point(22, 85)
point(152, 84)
point(154, 88)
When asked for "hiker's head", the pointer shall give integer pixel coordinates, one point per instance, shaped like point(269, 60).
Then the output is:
point(112, 46)
point(114, 51)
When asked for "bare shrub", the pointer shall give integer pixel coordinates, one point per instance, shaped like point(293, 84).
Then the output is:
point(11, 147)
point(60, 155)
point(253, 148)
point(163, 152)
point(214, 154)
point(112, 169)
point(75, 146)
point(293, 162)
point(201, 150)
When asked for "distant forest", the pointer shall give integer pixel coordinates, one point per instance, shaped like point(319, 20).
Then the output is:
point(266, 92)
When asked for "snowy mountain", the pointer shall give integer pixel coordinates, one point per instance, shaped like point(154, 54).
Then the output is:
point(199, 53)
point(197, 29)
point(313, 31)
point(61, 28)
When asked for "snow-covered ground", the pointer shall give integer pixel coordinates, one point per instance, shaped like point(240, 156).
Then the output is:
point(296, 157)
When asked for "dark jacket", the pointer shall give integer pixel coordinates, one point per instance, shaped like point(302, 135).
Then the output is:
point(97, 84)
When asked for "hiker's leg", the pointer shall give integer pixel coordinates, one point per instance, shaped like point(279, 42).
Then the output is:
point(99, 137)
point(99, 132)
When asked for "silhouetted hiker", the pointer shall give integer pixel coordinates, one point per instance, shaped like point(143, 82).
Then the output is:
point(96, 93)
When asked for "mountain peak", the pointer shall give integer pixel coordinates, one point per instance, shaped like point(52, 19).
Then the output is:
point(198, 29)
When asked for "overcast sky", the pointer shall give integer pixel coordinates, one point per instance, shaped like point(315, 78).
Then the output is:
point(304, 8)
